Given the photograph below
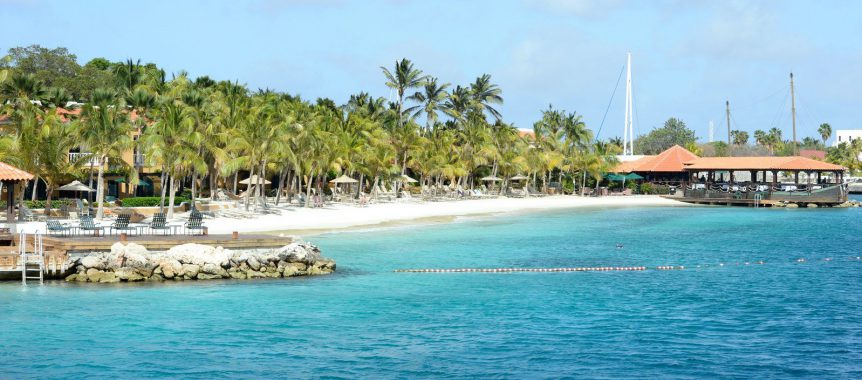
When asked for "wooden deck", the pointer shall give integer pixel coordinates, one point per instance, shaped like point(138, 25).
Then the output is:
point(161, 243)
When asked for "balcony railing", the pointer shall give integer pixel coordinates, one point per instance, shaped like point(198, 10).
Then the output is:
point(92, 162)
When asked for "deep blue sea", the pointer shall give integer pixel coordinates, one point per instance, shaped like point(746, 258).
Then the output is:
point(724, 316)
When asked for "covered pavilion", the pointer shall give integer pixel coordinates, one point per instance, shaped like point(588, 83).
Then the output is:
point(767, 179)
point(10, 176)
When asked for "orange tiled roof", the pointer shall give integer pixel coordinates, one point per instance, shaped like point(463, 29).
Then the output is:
point(671, 160)
point(630, 166)
point(813, 153)
point(760, 163)
point(11, 173)
point(65, 113)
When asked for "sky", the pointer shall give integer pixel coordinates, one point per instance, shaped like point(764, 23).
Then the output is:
point(688, 57)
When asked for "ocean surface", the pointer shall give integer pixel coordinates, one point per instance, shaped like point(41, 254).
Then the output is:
point(796, 315)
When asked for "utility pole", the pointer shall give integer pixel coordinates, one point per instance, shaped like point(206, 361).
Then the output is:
point(793, 114)
point(727, 104)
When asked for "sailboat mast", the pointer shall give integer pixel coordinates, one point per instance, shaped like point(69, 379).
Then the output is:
point(727, 104)
point(628, 131)
point(793, 114)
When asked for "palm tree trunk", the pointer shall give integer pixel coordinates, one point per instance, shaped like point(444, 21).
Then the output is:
point(100, 188)
point(281, 179)
point(374, 188)
point(194, 188)
point(164, 183)
point(211, 175)
point(308, 188)
point(171, 198)
point(260, 179)
point(48, 191)
point(235, 179)
point(35, 186)
point(248, 191)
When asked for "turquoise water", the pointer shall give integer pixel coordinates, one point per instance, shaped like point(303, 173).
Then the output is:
point(779, 319)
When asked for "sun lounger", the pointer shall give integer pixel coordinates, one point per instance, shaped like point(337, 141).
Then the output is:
point(122, 223)
point(87, 224)
point(195, 223)
point(55, 228)
point(159, 223)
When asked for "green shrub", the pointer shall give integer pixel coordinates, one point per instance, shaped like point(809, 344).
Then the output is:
point(647, 188)
point(150, 201)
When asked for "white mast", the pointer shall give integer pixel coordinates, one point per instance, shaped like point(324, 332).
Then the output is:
point(628, 131)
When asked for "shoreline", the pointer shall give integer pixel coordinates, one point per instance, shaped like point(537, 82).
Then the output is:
point(343, 218)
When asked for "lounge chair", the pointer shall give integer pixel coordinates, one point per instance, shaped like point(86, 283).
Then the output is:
point(55, 228)
point(26, 213)
point(159, 222)
point(122, 223)
point(195, 222)
point(87, 224)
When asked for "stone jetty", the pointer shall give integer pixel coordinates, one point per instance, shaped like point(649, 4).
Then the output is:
point(133, 262)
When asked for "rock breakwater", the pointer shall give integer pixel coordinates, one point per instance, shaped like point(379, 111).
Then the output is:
point(133, 262)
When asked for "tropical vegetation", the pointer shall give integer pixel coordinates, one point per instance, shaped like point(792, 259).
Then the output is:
point(206, 135)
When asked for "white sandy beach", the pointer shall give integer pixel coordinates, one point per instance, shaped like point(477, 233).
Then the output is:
point(300, 220)
point(338, 216)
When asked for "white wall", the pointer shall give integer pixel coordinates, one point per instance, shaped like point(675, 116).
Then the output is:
point(846, 135)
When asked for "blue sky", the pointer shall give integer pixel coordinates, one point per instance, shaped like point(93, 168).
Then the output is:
point(688, 56)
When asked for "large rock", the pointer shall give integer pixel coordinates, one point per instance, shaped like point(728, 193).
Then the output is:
point(190, 270)
point(170, 267)
point(93, 261)
point(132, 262)
point(199, 254)
point(253, 262)
point(128, 274)
point(299, 252)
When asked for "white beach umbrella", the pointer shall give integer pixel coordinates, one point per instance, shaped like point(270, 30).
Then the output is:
point(407, 178)
point(343, 179)
point(491, 178)
point(253, 181)
point(76, 186)
point(519, 177)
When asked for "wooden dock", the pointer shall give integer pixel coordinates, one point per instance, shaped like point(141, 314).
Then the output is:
point(162, 243)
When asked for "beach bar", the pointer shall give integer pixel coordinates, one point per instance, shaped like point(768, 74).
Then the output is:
point(764, 181)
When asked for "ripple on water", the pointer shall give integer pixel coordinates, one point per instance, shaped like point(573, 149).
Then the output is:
point(779, 319)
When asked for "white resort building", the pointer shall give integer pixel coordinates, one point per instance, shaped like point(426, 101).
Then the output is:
point(846, 135)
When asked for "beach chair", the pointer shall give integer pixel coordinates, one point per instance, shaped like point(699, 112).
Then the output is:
point(26, 213)
point(122, 223)
point(159, 223)
point(87, 224)
point(195, 223)
point(55, 228)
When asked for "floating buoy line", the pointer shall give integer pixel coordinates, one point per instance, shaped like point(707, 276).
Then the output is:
point(588, 269)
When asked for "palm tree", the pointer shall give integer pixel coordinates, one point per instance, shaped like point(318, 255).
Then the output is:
point(825, 131)
point(458, 103)
point(431, 101)
point(105, 129)
point(21, 89)
point(404, 77)
point(55, 140)
point(739, 137)
point(484, 94)
point(129, 75)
